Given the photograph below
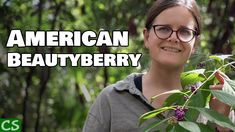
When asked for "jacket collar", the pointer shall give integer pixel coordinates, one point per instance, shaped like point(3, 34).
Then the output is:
point(128, 85)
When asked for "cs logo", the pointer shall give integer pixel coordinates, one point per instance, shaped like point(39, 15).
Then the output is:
point(10, 125)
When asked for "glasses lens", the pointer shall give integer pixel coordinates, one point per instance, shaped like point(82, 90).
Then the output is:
point(163, 31)
point(185, 35)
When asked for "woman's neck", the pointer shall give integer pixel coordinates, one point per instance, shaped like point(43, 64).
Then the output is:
point(160, 79)
point(163, 78)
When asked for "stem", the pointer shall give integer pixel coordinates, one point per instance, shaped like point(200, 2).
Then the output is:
point(232, 66)
point(187, 101)
point(168, 92)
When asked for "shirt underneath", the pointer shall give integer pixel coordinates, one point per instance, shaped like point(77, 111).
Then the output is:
point(138, 82)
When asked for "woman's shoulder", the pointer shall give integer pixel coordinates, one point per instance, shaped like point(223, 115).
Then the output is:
point(112, 92)
point(127, 84)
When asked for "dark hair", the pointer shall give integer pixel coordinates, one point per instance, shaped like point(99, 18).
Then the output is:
point(161, 5)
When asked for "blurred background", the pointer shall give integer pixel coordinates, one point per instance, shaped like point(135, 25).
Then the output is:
point(58, 99)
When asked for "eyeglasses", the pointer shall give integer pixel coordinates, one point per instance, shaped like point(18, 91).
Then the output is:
point(183, 34)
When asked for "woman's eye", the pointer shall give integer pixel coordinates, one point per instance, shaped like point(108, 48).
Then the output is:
point(185, 32)
point(163, 29)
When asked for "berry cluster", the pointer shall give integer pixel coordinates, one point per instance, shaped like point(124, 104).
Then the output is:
point(201, 65)
point(180, 113)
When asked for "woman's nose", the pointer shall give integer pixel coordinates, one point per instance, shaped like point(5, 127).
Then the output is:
point(173, 38)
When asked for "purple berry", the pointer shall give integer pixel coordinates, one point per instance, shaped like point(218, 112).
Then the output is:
point(201, 65)
point(180, 113)
point(193, 88)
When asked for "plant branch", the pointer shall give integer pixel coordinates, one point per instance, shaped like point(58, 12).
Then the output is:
point(187, 101)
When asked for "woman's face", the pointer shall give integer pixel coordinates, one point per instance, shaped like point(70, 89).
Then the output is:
point(171, 51)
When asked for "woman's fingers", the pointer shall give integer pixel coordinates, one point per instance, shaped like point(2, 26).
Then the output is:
point(219, 86)
point(216, 87)
point(219, 77)
point(216, 104)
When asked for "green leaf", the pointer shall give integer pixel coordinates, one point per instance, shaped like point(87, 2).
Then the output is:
point(191, 126)
point(155, 124)
point(215, 117)
point(227, 94)
point(172, 99)
point(152, 114)
point(219, 58)
point(229, 82)
point(191, 77)
point(224, 97)
point(204, 91)
point(169, 128)
point(205, 128)
point(178, 128)
point(197, 100)
point(168, 92)
point(195, 127)
point(198, 71)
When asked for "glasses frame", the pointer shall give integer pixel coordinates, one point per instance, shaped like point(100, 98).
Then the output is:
point(195, 33)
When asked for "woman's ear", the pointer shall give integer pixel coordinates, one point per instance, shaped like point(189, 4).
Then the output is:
point(146, 37)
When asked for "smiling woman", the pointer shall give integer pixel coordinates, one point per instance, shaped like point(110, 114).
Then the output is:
point(171, 35)
point(175, 37)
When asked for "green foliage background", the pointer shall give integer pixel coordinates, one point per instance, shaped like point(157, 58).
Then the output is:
point(58, 98)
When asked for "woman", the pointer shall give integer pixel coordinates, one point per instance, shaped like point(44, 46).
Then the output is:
point(171, 35)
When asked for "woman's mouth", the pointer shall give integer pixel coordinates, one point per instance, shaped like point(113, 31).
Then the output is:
point(171, 49)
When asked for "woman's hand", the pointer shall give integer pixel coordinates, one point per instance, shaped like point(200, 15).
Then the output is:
point(217, 105)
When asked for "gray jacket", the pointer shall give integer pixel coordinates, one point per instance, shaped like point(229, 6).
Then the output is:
point(118, 108)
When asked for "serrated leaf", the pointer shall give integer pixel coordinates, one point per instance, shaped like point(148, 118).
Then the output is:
point(215, 117)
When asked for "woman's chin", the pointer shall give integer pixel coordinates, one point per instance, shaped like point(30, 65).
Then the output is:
point(170, 63)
